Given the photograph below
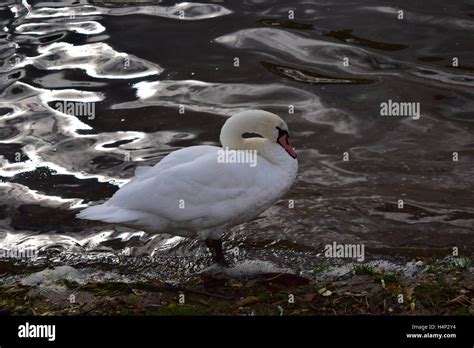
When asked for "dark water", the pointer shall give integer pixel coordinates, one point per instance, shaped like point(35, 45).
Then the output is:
point(139, 65)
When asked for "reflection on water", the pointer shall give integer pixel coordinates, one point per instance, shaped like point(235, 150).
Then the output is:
point(332, 64)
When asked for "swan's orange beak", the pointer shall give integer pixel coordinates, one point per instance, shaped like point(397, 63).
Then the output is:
point(284, 141)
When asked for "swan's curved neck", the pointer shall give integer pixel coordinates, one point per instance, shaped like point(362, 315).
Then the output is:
point(231, 137)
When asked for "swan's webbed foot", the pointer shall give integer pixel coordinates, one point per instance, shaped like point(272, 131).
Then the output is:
point(215, 246)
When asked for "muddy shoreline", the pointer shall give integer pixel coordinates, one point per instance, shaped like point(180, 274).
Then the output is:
point(444, 287)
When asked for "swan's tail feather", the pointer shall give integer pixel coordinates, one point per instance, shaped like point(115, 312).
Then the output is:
point(109, 213)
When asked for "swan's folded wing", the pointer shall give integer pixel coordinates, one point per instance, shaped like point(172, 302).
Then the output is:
point(174, 159)
point(199, 189)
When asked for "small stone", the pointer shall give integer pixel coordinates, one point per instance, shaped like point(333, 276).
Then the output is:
point(327, 293)
point(248, 301)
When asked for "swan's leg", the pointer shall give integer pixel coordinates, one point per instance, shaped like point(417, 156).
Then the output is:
point(215, 245)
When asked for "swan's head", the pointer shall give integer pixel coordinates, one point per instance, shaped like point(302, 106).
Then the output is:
point(256, 124)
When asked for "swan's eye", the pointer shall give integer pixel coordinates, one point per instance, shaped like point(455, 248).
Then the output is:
point(251, 135)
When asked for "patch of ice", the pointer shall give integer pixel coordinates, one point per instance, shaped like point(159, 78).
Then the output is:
point(409, 269)
point(48, 276)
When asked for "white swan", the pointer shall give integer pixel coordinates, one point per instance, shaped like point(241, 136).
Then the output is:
point(200, 191)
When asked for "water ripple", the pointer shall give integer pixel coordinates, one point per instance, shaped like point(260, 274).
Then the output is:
point(139, 65)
